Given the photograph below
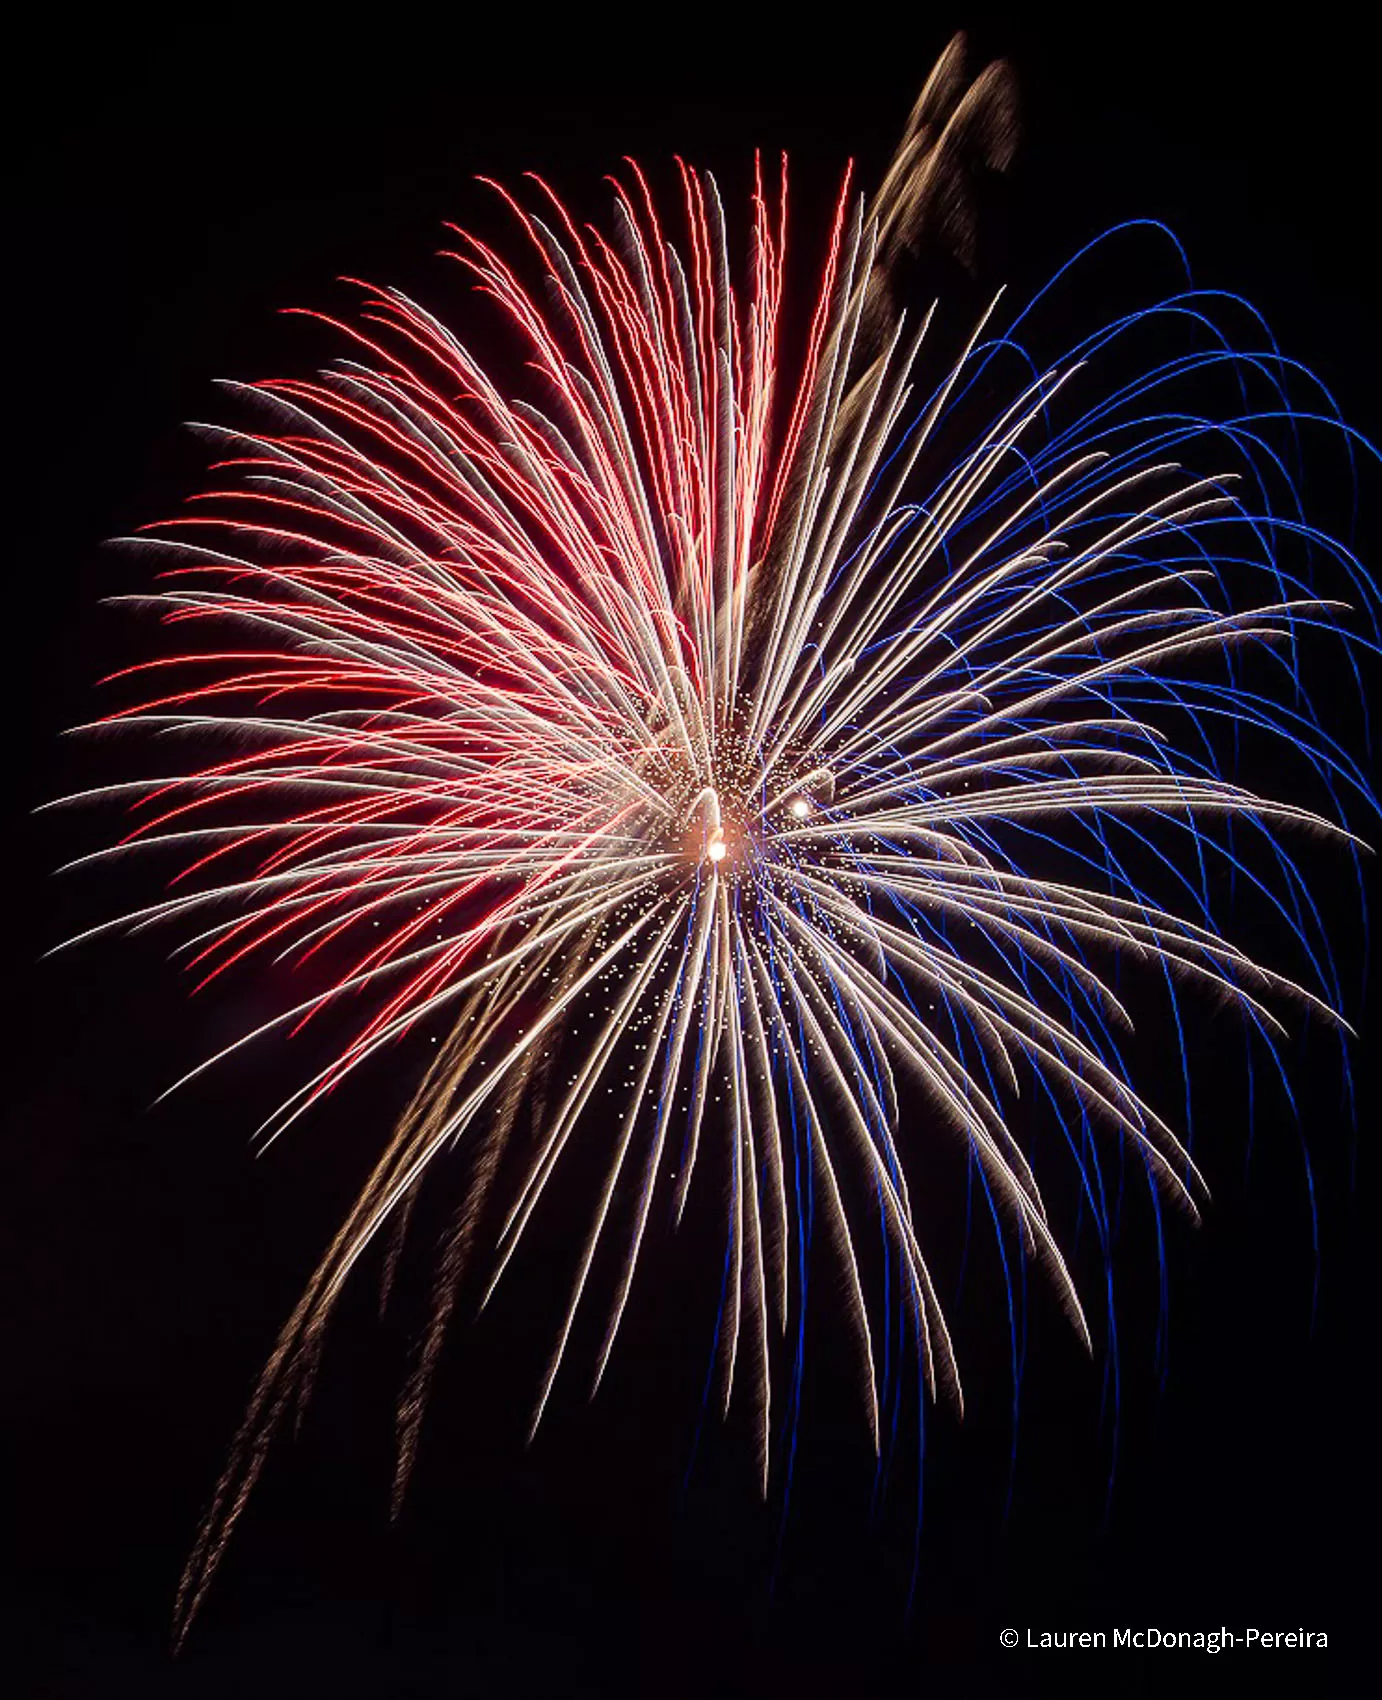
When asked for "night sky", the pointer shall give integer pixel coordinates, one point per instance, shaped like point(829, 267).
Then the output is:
point(176, 187)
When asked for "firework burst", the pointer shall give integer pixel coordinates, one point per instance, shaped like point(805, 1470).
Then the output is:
point(755, 736)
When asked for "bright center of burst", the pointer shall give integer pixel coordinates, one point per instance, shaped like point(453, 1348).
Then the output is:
point(714, 836)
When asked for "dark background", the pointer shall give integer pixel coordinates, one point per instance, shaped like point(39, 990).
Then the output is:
point(176, 185)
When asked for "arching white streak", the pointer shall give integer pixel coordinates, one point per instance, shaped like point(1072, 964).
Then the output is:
point(893, 658)
point(753, 1277)
point(716, 989)
point(733, 1044)
point(1161, 933)
point(835, 523)
point(789, 777)
point(1217, 633)
point(860, 926)
point(954, 500)
point(725, 357)
point(439, 590)
point(690, 976)
point(578, 1095)
point(918, 441)
point(500, 847)
point(630, 1121)
point(483, 704)
point(492, 518)
point(1093, 1083)
point(998, 911)
point(1206, 629)
point(894, 518)
point(1093, 623)
point(1048, 644)
point(1085, 921)
point(829, 1039)
point(1053, 743)
point(778, 1243)
point(136, 920)
point(1030, 767)
point(844, 1041)
point(1132, 921)
point(1099, 791)
point(811, 1002)
point(836, 1214)
point(767, 709)
point(830, 382)
point(380, 398)
point(968, 1106)
point(992, 1143)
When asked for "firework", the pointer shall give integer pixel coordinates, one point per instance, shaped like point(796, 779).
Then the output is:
point(744, 733)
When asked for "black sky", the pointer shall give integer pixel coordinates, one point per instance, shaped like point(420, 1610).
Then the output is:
point(176, 184)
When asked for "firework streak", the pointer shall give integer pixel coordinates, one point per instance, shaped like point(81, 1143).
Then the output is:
point(793, 729)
